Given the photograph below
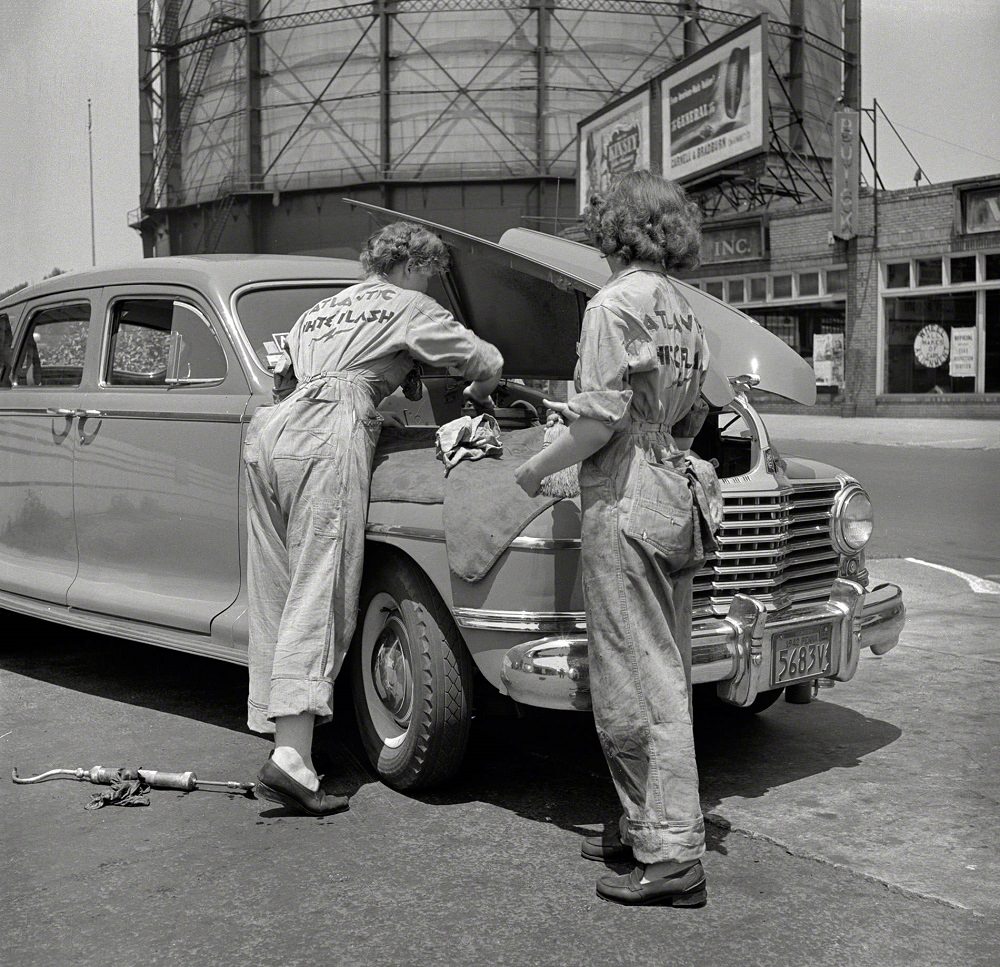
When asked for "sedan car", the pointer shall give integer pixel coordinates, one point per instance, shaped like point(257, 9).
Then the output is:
point(125, 395)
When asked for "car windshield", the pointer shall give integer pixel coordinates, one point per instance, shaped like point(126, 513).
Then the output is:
point(267, 314)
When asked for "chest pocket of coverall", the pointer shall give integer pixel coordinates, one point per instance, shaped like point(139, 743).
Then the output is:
point(662, 514)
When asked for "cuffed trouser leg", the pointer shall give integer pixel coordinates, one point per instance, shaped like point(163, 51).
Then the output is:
point(639, 627)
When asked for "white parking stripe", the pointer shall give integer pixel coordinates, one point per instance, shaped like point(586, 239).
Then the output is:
point(978, 584)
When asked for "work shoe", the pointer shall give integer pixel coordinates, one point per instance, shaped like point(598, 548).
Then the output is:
point(276, 785)
point(684, 889)
point(606, 847)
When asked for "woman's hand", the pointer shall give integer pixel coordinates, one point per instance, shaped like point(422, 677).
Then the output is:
point(483, 402)
point(559, 413)
point(528, 479)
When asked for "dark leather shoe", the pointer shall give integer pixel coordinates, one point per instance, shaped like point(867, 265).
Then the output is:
point(276, 785)
point(606, 848)
point(684, 889)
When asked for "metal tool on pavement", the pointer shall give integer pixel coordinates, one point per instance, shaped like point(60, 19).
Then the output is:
point(103, 776)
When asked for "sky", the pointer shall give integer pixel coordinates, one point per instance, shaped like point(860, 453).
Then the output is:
point(933, 67)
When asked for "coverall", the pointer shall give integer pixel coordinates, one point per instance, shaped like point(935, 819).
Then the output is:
point(308, 465)
point(642, 360)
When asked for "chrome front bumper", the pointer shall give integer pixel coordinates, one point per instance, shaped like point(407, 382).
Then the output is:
point(734, 651)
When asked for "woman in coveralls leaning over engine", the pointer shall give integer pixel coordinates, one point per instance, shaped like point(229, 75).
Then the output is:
point(309, 465)
point(642, 361)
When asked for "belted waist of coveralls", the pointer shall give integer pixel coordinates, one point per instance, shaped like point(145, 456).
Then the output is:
point(358, 378)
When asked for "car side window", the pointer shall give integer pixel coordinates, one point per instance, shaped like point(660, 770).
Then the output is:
point(162, 342)
point(6, 351)
point(54, 347)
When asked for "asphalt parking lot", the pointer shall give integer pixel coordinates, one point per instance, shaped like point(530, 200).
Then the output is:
point(860, 829)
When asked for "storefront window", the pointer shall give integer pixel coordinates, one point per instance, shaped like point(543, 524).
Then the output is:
point(992, 266)
point(836, 280)
point(963, 269)
point(782, 287)
point(809, 283)
point(736, 292)
point(799, 326)
point(758, 290)
point(992, 342)
point(897, 275)
point(929, 272)
point(716, 289)
point(919, 337)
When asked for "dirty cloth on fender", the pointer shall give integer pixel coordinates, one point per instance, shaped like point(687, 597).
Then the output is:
point(467, 438)
point(478, 529)
point(485, 509)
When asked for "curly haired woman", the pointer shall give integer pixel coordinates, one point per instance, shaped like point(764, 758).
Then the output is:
point(309, 463)
point(642, 362)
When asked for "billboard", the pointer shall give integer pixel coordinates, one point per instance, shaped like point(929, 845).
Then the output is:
point(714, 104)
point(613, 142)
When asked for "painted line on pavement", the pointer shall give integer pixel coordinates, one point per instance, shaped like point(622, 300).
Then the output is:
point(979, 585)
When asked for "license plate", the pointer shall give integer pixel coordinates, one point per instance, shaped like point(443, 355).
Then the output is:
point(801, 654)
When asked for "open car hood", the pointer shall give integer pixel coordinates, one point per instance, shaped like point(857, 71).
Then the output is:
point(526, 295)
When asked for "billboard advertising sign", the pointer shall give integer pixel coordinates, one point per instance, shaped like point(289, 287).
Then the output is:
point(846, 172)
point(714, 104)
point(611, 143)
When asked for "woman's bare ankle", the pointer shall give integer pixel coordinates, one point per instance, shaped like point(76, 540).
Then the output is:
point(286, 758)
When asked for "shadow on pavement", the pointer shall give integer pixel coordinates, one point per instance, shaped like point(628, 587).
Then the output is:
point(544, 766)
point(548, 766)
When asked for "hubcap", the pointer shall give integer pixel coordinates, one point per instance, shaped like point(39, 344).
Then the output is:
point(391, 672)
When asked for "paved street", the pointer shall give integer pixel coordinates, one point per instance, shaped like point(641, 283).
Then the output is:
point(858, 830)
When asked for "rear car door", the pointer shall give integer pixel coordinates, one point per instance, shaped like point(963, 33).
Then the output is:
point(40, 390)
point(158, 463)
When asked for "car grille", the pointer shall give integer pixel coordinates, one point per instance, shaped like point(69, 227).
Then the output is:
point(775, 547)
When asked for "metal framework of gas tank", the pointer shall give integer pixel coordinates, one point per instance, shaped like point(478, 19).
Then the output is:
point(202, 148)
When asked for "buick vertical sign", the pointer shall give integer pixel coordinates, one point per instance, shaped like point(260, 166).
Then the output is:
point(846, 173)
point(714, 104)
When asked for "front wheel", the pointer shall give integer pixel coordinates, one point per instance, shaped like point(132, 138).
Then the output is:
point(411, 678)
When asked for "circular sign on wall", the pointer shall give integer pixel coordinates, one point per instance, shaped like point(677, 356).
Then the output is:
point(931, 346)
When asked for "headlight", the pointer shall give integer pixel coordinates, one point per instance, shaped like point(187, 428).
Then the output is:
point(852, 520)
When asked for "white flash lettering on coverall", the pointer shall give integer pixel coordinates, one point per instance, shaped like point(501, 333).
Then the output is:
point(308, 475)
point(642, 362)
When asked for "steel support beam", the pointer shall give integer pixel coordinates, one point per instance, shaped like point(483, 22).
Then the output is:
point(384, 95)
point(796, 88)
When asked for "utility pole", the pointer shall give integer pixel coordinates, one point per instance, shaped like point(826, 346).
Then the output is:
point(90, 154)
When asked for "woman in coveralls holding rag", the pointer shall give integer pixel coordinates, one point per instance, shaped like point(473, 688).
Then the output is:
point(642, 361)
point(308, 475)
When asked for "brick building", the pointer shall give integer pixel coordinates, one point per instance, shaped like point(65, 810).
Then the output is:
point(903, 321)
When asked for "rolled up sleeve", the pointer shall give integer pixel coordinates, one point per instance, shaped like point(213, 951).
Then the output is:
point(436, 337)
point(604, 392)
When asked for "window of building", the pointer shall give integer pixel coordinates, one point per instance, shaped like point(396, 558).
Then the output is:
point(897, 275)
point(737, 292)
point(929, 272)
point(991, 266)
point(758, 289)
point(836, 281)
point(781, 286)
point(161, 342)
point(918, 342)
point(962, 269)
point(54, 347)
point(799, 326)
point(716, 289)
point(808, 283)
point(991, 340)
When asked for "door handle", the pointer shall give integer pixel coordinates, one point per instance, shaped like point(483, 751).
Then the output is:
point(84, 415)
